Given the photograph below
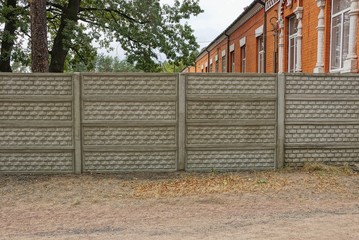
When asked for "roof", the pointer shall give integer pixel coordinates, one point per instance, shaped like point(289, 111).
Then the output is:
point(248, 12)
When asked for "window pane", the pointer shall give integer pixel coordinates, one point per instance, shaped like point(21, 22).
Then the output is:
point(345, 37)
point(243, 58)
point(292, 55)
point(336, 42)
point(293, 23)
point(232, 61)
point(340, 5)
point(224, 64)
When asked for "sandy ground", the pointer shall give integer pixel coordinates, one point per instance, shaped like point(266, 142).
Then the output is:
point(265, 205)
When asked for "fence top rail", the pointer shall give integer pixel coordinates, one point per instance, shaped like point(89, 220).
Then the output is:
point(2, 74)
point(137, 74)
point(231, 74)
point(183, 74)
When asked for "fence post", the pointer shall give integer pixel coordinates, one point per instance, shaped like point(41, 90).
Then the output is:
point(181, 122)
point(280, 120)
point(77, 122)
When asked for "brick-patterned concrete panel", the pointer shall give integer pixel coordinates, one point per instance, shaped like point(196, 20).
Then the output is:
point(35, 136)
point(97, 111)
point(319, 109)
point(322, 84)
point(230, 84)
point(225, 159)
point(129, 161)
point(122, 85)
point(43, 111)
point(41, 162)
point(129, 136)
point(297, 157)
point(223, 135)
point(321, 134)
point(129, 110)
point(35, 85)
point(231, 110)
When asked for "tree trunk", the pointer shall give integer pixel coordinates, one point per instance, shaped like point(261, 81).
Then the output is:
point(8, 37)
point(39, 46)
point(60, 50)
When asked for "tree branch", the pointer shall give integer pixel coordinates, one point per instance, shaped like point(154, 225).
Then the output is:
point(81, 18)
point(113, 11)
point(78, 54)
point(55, 5)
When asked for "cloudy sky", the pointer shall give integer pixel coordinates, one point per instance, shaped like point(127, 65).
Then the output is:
point(217, 16)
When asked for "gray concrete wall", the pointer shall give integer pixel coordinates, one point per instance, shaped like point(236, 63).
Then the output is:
point(321, 119)
point(129, 122)
point(37, 123)
point(230, 121)
point(54, 123)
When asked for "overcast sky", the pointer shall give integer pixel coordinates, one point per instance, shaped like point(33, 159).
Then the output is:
point(217, 16)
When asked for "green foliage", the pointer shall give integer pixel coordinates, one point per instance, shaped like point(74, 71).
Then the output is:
point(171, 67)
point(20, 14)
point(144, 29)
point(113, 64)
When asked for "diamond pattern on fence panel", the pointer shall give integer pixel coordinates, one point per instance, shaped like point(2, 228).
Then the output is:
point(322, 119)
point(230, 121)
point(129, 122)
point(36, 123)
point(129, 111)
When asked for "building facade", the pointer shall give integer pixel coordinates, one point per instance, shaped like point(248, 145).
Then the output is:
point(307, 36)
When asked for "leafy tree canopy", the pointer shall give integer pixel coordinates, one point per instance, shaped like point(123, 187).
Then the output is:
point(145, 29)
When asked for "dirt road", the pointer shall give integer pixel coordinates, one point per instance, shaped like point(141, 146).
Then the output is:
point(266, 205)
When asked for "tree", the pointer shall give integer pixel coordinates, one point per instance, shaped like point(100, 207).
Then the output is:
point(113, 64)
point(14, 19)
point(145, 30)
point(169, 67)
point(8, 35)
point(39, 47)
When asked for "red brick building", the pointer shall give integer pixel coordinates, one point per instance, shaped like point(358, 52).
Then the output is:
point(287, 36)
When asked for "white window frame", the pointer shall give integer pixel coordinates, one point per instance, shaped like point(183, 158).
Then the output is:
point(260, 64)
point(342, 37)
point(293, 37)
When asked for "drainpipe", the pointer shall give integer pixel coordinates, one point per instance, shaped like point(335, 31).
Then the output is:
point(264, 35)
point(227, 53)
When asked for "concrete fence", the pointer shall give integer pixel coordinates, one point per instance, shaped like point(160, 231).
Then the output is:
point(85, 122)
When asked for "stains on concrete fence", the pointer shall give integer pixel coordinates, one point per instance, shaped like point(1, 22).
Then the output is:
point(84, 122)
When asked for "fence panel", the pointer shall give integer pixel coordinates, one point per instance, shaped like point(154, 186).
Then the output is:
point(54, 123)
point(230, 121)
point(129, 122)
point(36, 123)
point(322, 119)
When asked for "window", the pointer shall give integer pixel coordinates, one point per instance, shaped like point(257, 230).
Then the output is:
point(260, 47)
point(243, 58)
point(232, 61)
point(217, 65)
point(211, 67)
point(224, 63)
point(339, 33)
point(292, 46)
